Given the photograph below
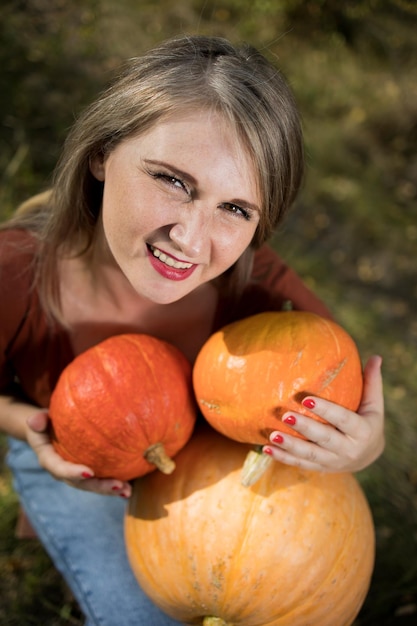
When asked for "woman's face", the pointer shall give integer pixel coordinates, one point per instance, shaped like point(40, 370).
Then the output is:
point(180, 204)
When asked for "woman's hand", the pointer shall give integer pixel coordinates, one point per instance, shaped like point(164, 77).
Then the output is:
point(79, 476)
point(351, 443)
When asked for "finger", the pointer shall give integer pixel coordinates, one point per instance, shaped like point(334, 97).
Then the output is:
point(74, 474)
point(38, 421)
point(50, 460)
point(345, 421)
point(372, 397)
point(311, 463)
point(81, 476)
point(324, 435)
point(39, 439)
point(309, 453)
point(104, 486)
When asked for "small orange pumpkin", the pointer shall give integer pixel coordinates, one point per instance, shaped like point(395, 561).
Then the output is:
point(252, 371)
point(296, 549)
point(124, 407)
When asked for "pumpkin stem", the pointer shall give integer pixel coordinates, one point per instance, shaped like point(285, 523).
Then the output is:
point(156, 455)
point(256, 463)
point(209, 620)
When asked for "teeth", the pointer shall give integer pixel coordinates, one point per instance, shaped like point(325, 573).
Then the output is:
point(179, 265)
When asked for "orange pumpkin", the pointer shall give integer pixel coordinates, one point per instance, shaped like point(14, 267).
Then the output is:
point(296, 549)
point(124, 407)
point(252, 371)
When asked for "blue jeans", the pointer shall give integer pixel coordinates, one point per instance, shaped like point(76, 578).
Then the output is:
point(83, 534)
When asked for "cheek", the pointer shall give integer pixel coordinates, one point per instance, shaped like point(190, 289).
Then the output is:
point(125, 211)
point(230, 246)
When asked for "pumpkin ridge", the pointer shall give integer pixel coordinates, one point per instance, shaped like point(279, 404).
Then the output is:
point(330, 326)
point(148, 352)
point(157, 381)
point(292, 612)
point(150, 570)
point(360, 505)
point(302, 524)
point(90, 419)
point(129, 531)
point(241, 544)
point(146, 425)
point(91, 434)
point(291, 608)
point(90, 424)
point(129, 444)
point(151, 373)
point(347, 547)
point(246, 537)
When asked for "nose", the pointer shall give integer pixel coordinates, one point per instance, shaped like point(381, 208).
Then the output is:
point(191, 232)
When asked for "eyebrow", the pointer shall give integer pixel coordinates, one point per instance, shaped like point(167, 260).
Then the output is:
point(191, 180)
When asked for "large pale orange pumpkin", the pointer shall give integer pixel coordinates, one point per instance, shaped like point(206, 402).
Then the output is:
point(296, 549)
point(124, 407)
point(252, 371)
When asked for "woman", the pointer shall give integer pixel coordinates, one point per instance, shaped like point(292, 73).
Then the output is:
point(168, 187)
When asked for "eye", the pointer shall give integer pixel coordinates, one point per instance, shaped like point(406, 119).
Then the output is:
point(171, 181)
point(237, 210)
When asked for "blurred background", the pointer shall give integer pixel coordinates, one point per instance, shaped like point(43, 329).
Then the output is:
point(352, 234)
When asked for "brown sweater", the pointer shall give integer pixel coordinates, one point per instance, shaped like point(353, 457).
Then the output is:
point(34, 353)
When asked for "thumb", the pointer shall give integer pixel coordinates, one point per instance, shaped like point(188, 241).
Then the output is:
point(372, 396)
point(38, 421)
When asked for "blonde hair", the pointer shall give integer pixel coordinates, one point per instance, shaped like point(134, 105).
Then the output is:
point(181, 73)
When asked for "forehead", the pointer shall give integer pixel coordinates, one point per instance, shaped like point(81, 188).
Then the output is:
point(199, 125)
point(190, 132)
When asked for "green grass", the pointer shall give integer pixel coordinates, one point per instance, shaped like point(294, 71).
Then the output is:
point(352, 235)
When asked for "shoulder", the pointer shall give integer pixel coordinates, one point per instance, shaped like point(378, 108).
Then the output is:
point(17, 269)
point(15, 242)
point(18, 249)
point(268, 266)
point(280, 284)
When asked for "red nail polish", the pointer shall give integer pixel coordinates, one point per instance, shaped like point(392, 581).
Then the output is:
point(309, 403)
point(278, 438)
point(86, 475)
point(267, 450)
point(116, 488)
point(290, 419)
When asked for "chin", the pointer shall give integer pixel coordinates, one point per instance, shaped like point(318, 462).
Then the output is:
point(166, 298)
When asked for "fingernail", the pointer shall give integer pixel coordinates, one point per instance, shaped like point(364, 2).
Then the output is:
point(278, 438)
point(290, 419)
point(309, 403)
point(86, 475)
point(116, 488)
point(267, 450)
point(123, 495)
